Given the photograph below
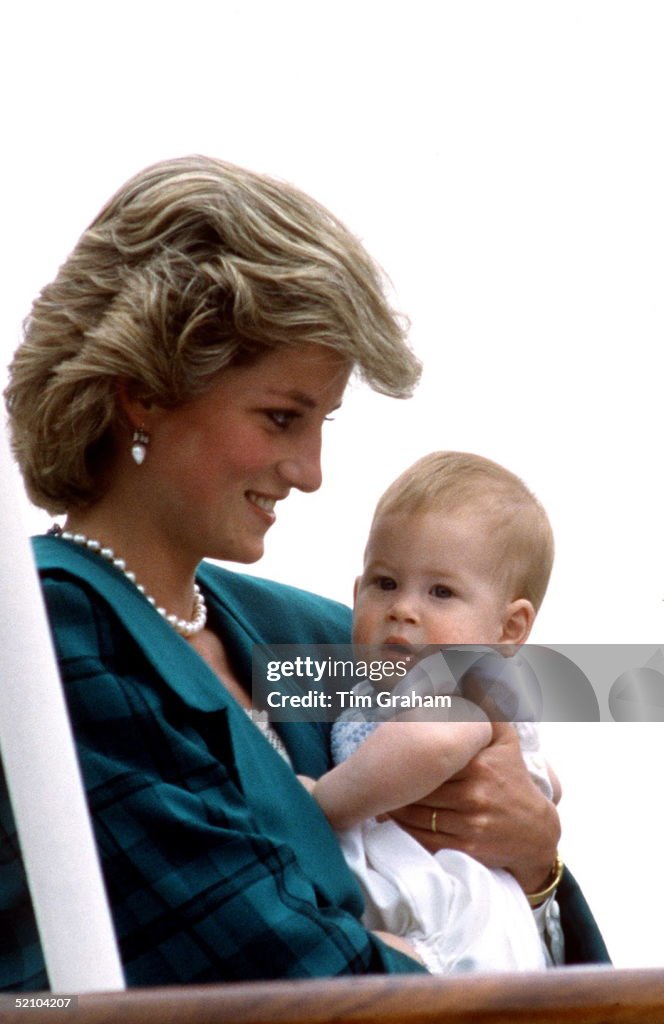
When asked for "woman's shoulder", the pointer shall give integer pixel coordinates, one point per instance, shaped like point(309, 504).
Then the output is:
point(79, 624)
point(80, 592)
point(268, 602)
point(79, 587)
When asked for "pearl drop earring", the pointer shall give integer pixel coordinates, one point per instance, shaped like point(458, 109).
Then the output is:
point(139, 445)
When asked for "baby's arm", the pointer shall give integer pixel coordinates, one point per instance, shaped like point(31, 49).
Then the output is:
point(399, 763)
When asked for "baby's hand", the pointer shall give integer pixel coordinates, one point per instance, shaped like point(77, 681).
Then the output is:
point(307, 782)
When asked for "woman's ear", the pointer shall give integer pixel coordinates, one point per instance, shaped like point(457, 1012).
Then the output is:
point(517, 622)
point(135, 409)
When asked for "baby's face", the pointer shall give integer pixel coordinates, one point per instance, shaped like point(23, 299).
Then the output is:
point(428, 579)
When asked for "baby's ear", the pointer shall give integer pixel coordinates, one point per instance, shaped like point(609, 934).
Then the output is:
point(356, 587)
point(517, 622)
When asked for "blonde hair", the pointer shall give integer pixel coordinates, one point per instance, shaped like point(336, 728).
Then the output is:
point(516, 524)
point(192, 266)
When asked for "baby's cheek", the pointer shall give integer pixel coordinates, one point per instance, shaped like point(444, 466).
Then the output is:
point(363, 623)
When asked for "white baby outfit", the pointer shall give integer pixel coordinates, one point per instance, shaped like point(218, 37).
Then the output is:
point(458, 914)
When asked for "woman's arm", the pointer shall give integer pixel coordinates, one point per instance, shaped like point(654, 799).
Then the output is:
point(399, 763)
point(493, 811)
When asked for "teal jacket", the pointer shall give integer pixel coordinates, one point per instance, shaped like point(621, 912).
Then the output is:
point(218, 864)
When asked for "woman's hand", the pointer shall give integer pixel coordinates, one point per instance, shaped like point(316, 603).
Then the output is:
point(493, 811)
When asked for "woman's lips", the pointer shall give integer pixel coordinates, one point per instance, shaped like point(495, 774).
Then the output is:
point(264, 504)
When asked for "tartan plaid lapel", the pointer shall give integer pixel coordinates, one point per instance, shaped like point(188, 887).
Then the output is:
point(169, 653)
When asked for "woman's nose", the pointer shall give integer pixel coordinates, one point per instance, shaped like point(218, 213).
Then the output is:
point(303, 469)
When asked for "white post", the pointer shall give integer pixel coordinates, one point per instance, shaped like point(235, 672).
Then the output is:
point(42, 772)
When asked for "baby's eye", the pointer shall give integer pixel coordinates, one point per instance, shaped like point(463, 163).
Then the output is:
point(282, 418)
point(440, 591)
point(385, 583)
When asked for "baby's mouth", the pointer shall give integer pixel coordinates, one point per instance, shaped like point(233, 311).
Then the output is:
point(398, 648)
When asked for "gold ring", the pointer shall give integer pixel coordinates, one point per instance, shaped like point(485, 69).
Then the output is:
point(434, 815)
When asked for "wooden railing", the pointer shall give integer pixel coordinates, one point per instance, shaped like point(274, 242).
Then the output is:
point(598, 995)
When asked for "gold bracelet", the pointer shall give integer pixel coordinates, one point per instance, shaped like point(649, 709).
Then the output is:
point(535, 898)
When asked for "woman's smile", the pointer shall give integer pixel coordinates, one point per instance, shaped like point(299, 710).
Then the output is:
point(264, 503)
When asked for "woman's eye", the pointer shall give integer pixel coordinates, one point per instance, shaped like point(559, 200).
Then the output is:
point(282, 418)
point(440, 591)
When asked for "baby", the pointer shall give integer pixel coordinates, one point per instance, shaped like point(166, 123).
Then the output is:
point(459, 552)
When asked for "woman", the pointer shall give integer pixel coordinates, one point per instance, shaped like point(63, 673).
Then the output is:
point(172, 388)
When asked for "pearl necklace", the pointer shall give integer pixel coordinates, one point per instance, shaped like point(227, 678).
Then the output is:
point(185, 627)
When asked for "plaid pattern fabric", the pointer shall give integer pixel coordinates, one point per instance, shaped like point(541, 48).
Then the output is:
point(217, 863)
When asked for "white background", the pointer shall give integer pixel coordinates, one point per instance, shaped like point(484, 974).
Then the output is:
point(504, 163)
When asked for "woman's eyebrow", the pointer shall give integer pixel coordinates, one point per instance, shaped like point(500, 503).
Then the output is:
point(301, 397)
point(296, 396)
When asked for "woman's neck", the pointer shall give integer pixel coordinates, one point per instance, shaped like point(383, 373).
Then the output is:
point(165, 572)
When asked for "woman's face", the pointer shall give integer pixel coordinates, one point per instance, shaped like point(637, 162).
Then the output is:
point(217, 466)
